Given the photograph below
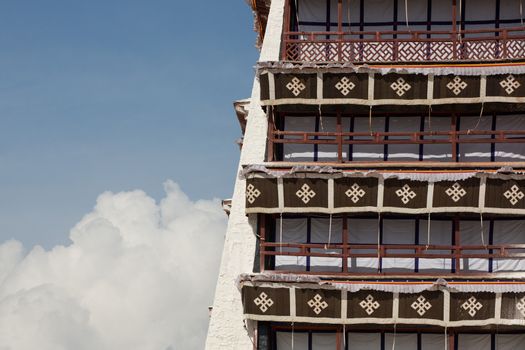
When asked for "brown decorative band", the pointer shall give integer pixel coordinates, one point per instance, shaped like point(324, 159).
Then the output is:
point(440, 308)
point(372, 89)
point(332, 195)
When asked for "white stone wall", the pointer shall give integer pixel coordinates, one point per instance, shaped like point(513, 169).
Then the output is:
point(226, 330)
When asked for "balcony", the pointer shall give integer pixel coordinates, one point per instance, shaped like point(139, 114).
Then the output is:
point(397, 138)
point(393, 246)
point(388, 31)
point(405, 47)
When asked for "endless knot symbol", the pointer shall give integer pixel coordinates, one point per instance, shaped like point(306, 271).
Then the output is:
point(421, 305)
point(355, 193)
point(514, 195)
point(345, 86)
point(317, 304)
point(456, 192)
point(252, 193)
point(406, 194)
point(472, 306)
point(510, 84)
point(296, 86)
point(521, 306)
point(369, 304)
point(305, 193)
point(457, 85)
point(400, 86)
point(263, 302)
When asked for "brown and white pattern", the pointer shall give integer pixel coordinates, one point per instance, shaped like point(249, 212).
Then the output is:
point(439, 308)
point(353, 195)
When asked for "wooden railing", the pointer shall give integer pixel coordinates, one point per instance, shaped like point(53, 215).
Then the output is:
point(453, 138)
point(405, 46)
point(345, 251)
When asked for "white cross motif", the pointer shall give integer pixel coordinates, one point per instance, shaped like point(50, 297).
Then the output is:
point(305, 194)
point(421, 305)
point(263, 302)
point(345, 86)
point(510, 84)
point(296, 86)
point(456, 192)
point(406, 194)
point(252, 193)
point(317, 304)
point(472, 306)
point(457, 85)
point(514, 195)
point(355, 193)
point(521, 306)
point(369, 304)
point(400, 86)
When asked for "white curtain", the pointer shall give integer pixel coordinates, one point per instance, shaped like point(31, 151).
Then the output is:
point(509, 232)
point(510, 151)
point(433, 341)
point(294, 231)
point(473, 342)
point(364, 341)
point(368, 152)
point(437, 152)
point(471, 235)
point(402, 341)
point(399, 232)
point(510, 341)
point(408, 152)
point(284, 340)
point(440, 234)
point(324, 341)
point(363, 231)
point(475, 152)
point(319, 232)
point(298, 152)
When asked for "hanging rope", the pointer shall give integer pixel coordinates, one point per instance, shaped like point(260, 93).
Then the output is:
point(348, 17)
point(479, 119)
point(482, 231)
point(329, 233)
point(344, 336)
point(430, 117)
point(378, 241)
point(395, 333)
point(406, 14)
point(446, 338)
point(521, 11)
point(281, 234)
point(460, 19)
point(428, 232)
point(293, 334)
point(321, 118)
point(370, 121)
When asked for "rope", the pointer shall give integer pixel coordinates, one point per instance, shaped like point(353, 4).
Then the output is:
point(293, 334)
point(428, 232)
point(479, 119)
point(460, 19)
point(281, 234)
point(406, 14)
point(329, 233)
point(394, 341)
point(321, 119)
point(521, 11)
point(446, 338)
point(482, 231)
point(348, 17)
point(370, 121)
point(344, 336)
point(430, 117)
point(378, 241)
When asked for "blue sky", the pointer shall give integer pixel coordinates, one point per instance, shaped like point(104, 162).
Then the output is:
point(115, 95)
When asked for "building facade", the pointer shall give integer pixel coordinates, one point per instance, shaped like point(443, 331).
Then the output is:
point(380, 202)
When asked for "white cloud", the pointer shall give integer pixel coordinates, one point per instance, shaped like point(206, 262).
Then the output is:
point(138, 275)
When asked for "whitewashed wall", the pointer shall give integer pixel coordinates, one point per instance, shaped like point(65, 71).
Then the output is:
point(226, 330)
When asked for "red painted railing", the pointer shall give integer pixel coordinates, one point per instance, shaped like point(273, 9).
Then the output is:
point(405, 46)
